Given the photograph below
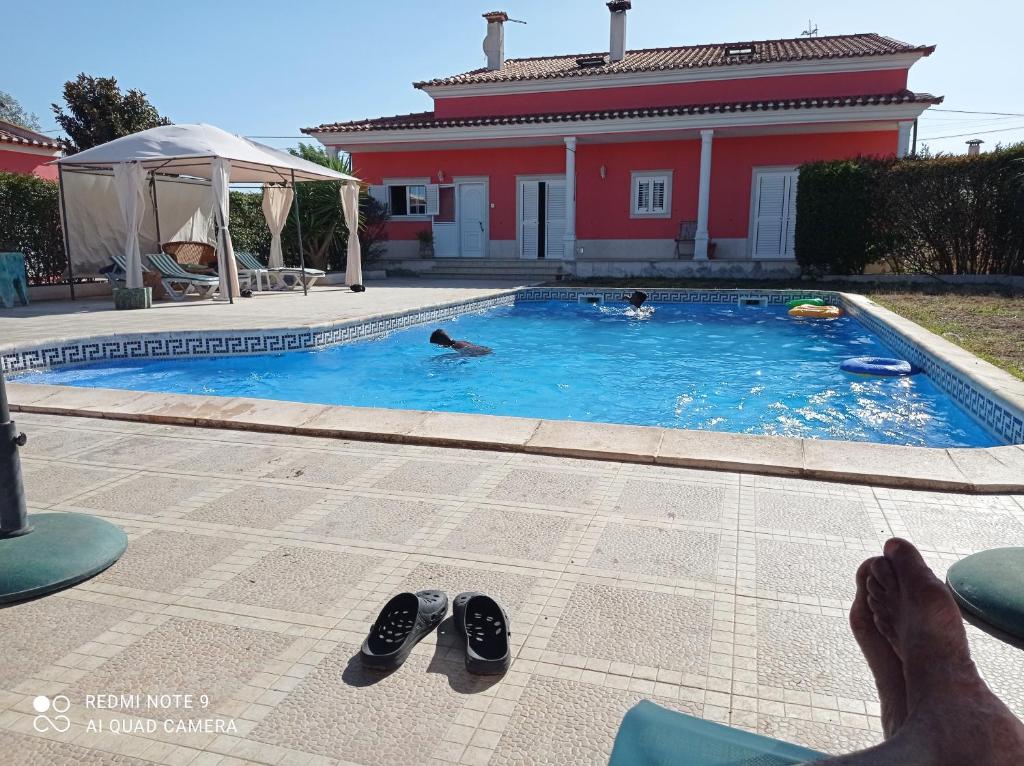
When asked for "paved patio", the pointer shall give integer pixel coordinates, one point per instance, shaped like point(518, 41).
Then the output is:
point(96, 316)
point(257, 562)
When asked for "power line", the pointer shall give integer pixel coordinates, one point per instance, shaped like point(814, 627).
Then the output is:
point(973, 133)
point(968, 111)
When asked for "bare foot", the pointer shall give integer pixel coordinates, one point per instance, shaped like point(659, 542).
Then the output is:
point(885, 665)
point(952, 715)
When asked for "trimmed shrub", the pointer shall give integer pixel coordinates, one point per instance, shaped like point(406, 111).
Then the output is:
point(924, 215)
point(957, 214)
point(30, 223)
point(838, 226)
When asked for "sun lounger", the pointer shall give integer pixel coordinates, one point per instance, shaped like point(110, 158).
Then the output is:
point(179, 283)
point(287, 278)
point(117, 272)
point(653, 736)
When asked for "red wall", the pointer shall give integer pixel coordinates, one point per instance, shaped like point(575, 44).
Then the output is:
point(500, 165)
point(22, 162)
point(602, 204)
point(678, 94)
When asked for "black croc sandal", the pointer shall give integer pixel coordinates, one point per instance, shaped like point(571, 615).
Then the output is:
point(484, 627)
point(401, 624)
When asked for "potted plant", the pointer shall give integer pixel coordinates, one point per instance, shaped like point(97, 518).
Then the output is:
point(426, 239)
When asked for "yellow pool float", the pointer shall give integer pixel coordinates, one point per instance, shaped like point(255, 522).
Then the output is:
point(816, 312)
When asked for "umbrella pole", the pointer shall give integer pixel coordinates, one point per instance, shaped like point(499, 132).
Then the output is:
point(64, 226)
point(298, 228)
point(156, 210)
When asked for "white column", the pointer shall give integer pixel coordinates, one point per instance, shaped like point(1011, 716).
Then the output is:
point(700, 248)
point(570, 198)
point(332, 152)
point(903, 141)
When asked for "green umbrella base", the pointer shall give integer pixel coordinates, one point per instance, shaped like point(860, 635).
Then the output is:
point(62, 549)
point(989, 589)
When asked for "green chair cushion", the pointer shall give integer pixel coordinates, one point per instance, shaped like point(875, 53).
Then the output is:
point(990, 587)
point(654, 736)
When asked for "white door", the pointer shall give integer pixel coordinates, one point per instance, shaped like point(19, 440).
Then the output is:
point(536, 217)
point(554, 223)
point(774, 215)
point(472, 217)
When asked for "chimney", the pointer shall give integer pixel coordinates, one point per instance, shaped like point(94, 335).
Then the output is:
point(617, 44)
point(974, 147)
point(494, 43)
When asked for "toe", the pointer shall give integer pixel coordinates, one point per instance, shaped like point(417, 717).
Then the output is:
point(882, 572)
point(906, 561)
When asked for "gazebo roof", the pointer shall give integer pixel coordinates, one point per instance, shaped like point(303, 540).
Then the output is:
point(190, 150)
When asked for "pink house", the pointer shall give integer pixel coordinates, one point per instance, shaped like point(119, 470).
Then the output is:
point(25, 151)
point(631, 162)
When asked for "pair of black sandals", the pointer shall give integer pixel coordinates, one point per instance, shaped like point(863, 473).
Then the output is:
point(408, 617)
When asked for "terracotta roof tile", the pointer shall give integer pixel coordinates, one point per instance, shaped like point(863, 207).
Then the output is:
point(421, 120)
point(687, 57)
point(15, 134)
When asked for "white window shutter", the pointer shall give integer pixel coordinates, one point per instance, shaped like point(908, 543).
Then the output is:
point(433, 200)
point(379, 193)
point(657, 195)
point(643, 195)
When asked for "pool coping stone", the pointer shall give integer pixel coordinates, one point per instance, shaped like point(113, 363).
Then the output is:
point(976, 470)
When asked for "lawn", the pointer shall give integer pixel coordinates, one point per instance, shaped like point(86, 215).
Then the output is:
point(987, 323)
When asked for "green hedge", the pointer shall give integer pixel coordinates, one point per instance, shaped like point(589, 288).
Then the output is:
point(30, 222)
point(931, 215)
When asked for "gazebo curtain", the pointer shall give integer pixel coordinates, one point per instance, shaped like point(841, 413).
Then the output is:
point(350, 206)
point(226, 268)
point(277, 201)
point(129, 180)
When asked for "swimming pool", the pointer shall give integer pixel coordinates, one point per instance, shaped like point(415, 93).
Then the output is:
point(745, 369)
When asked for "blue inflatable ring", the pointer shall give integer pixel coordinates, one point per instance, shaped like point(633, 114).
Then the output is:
point(878, 365)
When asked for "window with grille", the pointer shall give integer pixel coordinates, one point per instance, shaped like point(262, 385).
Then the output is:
point(652, 194)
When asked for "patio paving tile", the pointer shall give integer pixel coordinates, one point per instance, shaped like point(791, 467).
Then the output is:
point(427, 477)
point(26, 750)
point(508, 533)
point(162, 560)
point(297, 579)
point(553, 488)
point(668, 501)
point(227, 458)
point(828, 737)
point(807, 569)
point(59, 481)
point(562, 721)
point(187, 657)
point(144, 494)
point(378, 519)
point(39, 633)
point(655, 551)
point(321, 468)
point(342, 710)
point(820, 514)
point(658, 630)
point(812, 653)
point(940, 527)
point(264, 507)
point(510, 589)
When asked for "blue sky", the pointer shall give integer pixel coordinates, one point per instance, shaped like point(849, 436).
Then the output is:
point(264, 68)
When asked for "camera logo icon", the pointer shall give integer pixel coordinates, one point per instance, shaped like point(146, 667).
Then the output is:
point(43, 722)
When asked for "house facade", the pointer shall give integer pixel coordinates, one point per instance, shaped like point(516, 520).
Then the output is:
point(25, 151)
point(665, 161)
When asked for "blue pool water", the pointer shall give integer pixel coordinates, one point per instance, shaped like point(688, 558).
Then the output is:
point(713, 367)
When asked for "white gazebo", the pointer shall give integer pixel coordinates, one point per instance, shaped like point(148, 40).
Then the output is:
point(108, 210)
